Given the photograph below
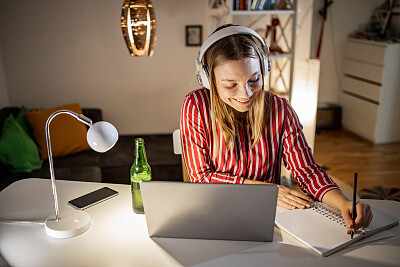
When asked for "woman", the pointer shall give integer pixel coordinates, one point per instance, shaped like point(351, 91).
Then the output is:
point(236, 132)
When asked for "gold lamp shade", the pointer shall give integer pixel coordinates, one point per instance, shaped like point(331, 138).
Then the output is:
point(138, 24)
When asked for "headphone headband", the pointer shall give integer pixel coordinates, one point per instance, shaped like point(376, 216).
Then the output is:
point(202, 70)
point(228, 31)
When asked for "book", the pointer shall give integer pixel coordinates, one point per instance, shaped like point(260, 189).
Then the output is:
point(322, 228)
point(243, 4)
point(255, 4)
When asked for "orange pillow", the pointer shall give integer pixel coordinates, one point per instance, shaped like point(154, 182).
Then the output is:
point(68, 135)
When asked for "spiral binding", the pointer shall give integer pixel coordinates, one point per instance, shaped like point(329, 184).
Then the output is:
point(329, 212)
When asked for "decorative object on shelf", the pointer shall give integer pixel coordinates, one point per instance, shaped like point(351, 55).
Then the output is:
point(138, 24)
point(379, 22)
point(278, 79)
point(274, 47)
point(283, 4)
point(383, 24)
point(101, 137)
point(194, 35)
point(257, 4)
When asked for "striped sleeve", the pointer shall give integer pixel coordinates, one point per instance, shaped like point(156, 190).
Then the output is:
point(298, 157)
point(196, 142)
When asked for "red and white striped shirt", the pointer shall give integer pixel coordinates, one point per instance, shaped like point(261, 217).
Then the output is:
point(282, 137)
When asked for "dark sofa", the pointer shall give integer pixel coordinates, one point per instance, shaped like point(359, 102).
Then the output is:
point(110, 167)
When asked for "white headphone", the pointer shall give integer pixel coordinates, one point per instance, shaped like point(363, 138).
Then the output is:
point(202, 69)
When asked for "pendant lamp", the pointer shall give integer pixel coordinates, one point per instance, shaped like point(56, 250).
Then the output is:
point(138, 24)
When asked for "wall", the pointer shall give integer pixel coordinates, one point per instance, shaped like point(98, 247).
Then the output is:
point(4, 101)
point(344, 17)
point(57, 52)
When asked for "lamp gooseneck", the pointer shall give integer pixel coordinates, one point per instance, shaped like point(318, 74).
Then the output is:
point(79, 117)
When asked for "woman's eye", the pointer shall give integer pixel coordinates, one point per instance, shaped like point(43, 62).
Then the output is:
point(255, 80)
point(230, 86)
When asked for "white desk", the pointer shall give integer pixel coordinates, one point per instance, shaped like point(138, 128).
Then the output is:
point(118, 237)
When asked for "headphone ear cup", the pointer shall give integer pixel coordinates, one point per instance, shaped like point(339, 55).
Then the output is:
point(205, 77)
point(265, 59)
point(266, 65)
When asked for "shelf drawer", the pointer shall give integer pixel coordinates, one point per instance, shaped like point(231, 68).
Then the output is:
point(361, 88)
point(359, 116)
point(364, 71)
point(360, 107)
point(358, 125)
point(369, 53)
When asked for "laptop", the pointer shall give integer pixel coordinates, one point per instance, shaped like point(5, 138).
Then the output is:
point(210, 211)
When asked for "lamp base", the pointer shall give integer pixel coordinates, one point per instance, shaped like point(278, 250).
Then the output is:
point(70, 224)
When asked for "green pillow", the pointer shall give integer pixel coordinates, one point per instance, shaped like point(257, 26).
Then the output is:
point(18, 152)
point(22, 121)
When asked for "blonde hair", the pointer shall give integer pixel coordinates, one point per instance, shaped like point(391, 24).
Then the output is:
point(235, 47)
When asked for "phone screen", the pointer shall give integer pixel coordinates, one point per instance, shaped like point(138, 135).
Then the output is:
point(92, 198)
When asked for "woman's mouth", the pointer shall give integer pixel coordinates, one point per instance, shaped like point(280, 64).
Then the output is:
point(243, 101)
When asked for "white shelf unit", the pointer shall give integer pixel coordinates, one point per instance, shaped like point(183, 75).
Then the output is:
point(280, 79)
point(371, 90)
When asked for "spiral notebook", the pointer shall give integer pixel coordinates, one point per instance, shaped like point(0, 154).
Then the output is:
point(322, 228)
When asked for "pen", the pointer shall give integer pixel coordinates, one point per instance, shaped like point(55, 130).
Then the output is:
point(353, 213)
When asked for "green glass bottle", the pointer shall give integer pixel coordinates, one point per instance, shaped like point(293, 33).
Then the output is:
point(140, 171)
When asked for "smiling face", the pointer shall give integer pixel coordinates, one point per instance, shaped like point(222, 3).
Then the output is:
point(237, 81)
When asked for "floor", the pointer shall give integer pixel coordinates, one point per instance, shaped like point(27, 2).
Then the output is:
point(343, 154)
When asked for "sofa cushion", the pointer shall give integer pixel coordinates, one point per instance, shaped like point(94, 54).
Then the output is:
point(18, 152)
point(20, 118)
point(68, 135)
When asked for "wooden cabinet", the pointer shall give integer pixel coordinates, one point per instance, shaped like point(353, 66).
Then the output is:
point(371, 90)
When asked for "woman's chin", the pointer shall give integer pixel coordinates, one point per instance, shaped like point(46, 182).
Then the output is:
point(241, 107)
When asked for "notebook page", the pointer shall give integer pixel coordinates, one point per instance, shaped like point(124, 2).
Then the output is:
point(380, 221)
point(318, 232)
point(322, 228)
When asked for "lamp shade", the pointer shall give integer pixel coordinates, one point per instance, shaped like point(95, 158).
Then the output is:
point(138, 24)
point(102, 136)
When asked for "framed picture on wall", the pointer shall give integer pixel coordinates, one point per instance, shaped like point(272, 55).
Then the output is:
point(194, 35)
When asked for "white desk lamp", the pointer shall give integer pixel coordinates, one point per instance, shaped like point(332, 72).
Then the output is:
point(101, 137)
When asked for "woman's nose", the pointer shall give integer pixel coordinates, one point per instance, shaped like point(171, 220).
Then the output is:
point(249, 91)
point(246, 91)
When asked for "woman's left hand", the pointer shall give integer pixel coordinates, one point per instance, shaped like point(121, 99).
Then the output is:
point(292, 199)
point(363, 219)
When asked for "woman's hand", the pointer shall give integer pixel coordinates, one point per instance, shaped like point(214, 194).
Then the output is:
point(288, 198)
point(336, 199)
point(292, 199)
point(363, 219)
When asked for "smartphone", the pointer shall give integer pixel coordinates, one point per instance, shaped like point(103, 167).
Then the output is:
point(92, 198)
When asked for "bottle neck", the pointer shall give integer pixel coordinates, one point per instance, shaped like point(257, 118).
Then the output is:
point(140, 153)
